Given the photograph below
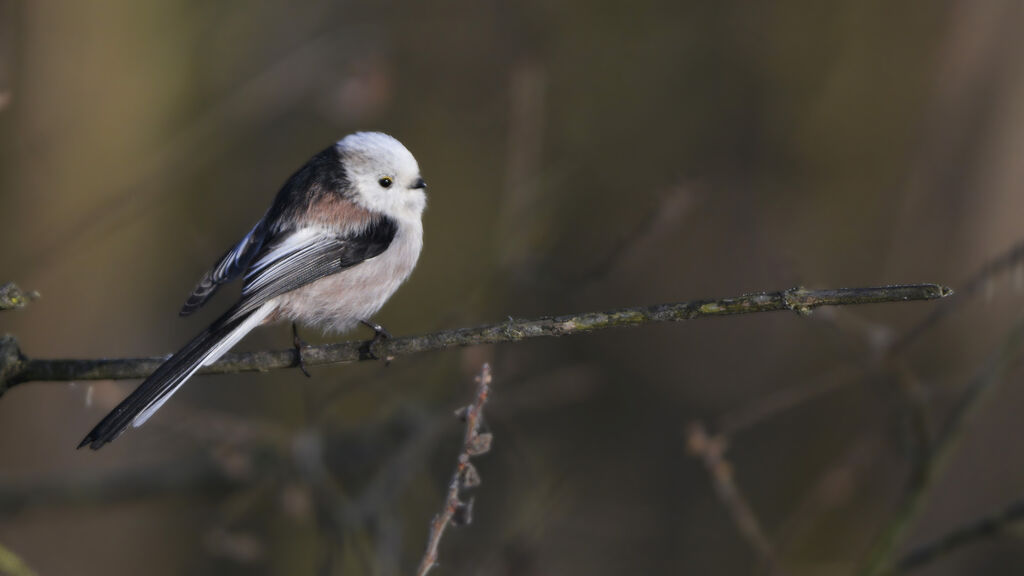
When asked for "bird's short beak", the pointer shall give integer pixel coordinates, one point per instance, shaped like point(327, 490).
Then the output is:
point(420, 184)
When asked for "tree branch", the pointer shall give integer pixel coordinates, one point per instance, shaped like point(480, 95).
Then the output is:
point(711, 451)
point(1008, 260)
point(455, 511)
point(15, 368)
point(980, 387)
point(961, 536)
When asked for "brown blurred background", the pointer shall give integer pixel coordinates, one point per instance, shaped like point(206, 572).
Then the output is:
point(580, 156)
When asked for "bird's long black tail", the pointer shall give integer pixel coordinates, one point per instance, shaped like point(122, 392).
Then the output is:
point(205, 348)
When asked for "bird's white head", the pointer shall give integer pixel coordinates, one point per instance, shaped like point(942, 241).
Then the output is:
point(383, 174)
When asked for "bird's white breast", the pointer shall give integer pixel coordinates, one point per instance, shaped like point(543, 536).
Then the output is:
point(338, 302)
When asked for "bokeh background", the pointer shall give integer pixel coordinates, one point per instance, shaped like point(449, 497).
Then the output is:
point(580, 156)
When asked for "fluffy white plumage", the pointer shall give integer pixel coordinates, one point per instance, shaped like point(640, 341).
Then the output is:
point(370, 156)
point(342, 235)
point(339, 302)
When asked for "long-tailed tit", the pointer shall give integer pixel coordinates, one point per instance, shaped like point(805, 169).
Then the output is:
point(342, 234)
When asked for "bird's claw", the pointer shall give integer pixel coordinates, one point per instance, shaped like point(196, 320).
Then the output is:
point(299, 344)
point(379, 333)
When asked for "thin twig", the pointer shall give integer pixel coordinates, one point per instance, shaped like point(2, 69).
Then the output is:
point(474, 443)
point(944, 448)
point(711, 451)
point(833, 489)
point(778, 401)
point(15, 368)
point(88, 489)
point(966, 534)
point(242, 454)
point(782, 400)
point(974, 284)
point(933, 453)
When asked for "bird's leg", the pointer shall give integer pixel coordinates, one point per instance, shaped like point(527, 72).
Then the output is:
point(379, 333)
point(299, 344)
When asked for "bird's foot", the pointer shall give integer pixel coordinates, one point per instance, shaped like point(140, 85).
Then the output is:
point(379, 333)
point(299, 344)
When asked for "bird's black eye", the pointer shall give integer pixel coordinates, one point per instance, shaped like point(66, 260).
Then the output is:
point(384, 182)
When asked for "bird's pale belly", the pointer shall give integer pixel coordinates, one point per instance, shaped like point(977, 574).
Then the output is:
point(338, 302)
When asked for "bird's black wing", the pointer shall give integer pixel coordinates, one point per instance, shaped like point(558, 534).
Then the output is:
point(230, 266)
point(295, 259)
point(321, 178)
point(308, 254)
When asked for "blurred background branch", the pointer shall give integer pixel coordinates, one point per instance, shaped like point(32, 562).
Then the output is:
point(943, 450)
point(456, 511)
point(930, 456)
point(12, 565)
point(969, 533)
point(711, 451)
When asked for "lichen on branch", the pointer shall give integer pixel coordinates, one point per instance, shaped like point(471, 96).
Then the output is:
point(15, 368)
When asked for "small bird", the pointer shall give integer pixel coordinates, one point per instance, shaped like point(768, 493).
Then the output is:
point(342, 234)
